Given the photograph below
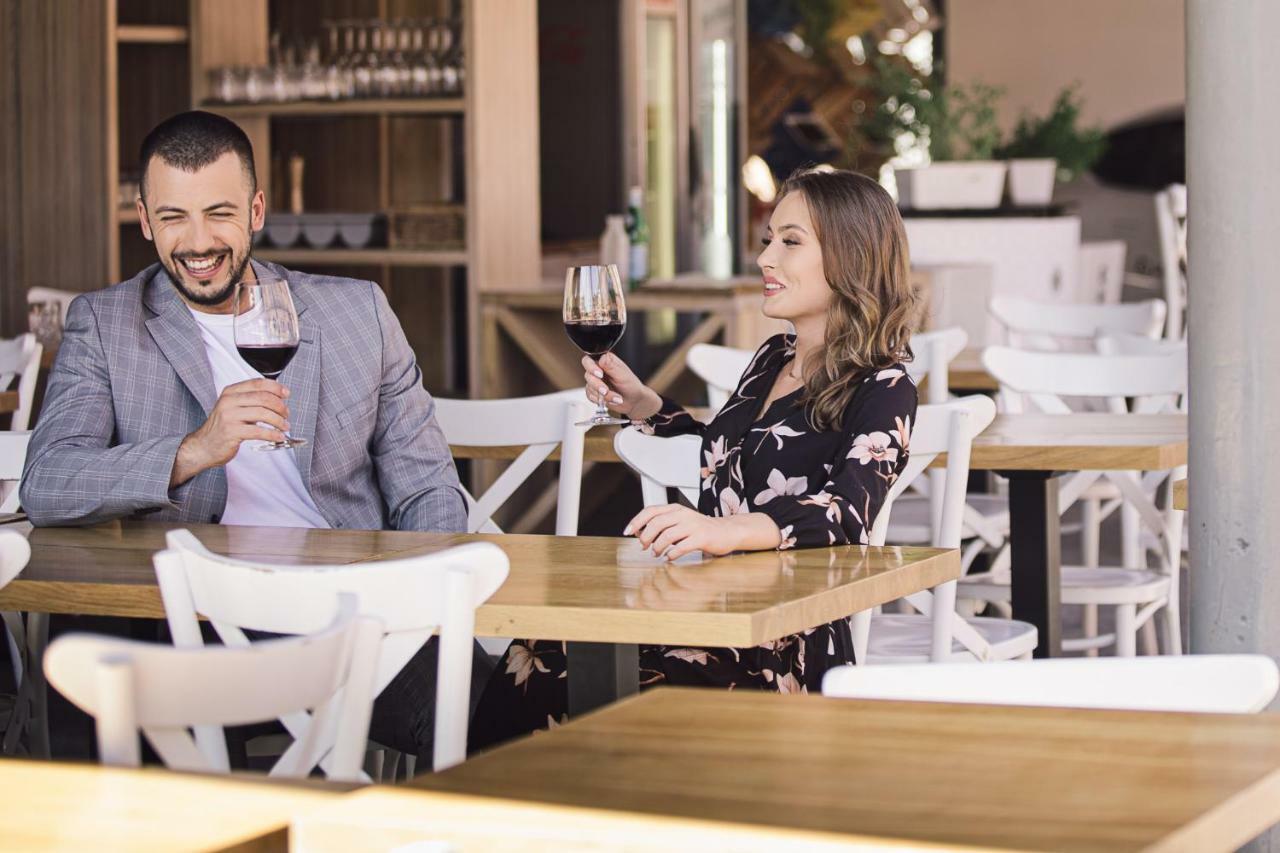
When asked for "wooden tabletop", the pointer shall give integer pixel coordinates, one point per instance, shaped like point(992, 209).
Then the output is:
point(1023, 442)
point(982, 776)
point(1180, 499)
point(580, 588)
point(56, 806)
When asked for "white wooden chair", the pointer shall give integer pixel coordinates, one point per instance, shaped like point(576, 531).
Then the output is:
point(1171, 221)
point(1120, 343)
point(1207, 684)
point(1100, 272)
point(411, 598)
point(38, 295)
point(20, 360)
point(720, 367)
point(26, 642)
point(1136, 592)
point(1055, 326)
point(543, 423)
point(15, 552)
point(663, 463)
point(127, 685)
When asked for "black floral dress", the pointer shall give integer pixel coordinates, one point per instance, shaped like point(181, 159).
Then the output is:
point(820, 487)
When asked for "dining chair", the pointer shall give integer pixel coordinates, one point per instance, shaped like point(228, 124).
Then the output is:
point(721, 368)
point(1171, 222)
point(1100, 271)
point(26, 641)
point(324, 675)
point(17, 712)
point(1156, 383)
point(675, 462)
point(412, 598)
point(543, 423)
point(1206, 684)
point(20, 360)
point(1055, 326)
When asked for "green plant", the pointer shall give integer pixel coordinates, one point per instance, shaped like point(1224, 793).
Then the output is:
point(956, 122)
point(1057, 135)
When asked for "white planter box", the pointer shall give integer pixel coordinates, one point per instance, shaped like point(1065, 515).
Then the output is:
point(952, 186)
point(1031, 181)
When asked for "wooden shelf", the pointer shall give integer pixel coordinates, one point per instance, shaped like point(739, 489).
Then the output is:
point(365, 257)
point(372, 106)
point(127, 215)
point(151, 34)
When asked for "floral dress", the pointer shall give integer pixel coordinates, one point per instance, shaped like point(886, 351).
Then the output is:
point(820, 487)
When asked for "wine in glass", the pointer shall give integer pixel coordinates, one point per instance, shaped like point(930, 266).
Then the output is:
point(595, 317)
point(266, 335)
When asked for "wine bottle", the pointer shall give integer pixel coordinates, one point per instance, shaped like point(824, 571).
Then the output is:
point(638, 234)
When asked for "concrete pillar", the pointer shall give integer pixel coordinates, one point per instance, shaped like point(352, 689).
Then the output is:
point(1233, 173)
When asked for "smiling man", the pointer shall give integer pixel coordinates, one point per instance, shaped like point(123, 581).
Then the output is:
point(151, 412)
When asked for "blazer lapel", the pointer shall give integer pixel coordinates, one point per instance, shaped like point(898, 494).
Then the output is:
point(175, 332)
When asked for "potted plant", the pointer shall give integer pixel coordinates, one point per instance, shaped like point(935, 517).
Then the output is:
point(957, 124)
point(1042, 150)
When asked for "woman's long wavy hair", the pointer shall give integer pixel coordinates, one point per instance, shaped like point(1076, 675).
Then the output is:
point(864, 256)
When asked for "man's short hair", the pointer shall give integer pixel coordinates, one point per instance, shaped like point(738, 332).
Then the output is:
point(192, 140)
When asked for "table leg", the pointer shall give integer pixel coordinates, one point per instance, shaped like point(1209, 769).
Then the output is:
point(1034, 545)
point(601, 673)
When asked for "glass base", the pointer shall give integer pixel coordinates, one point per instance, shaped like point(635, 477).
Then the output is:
point(288, 444)
point(604, 420)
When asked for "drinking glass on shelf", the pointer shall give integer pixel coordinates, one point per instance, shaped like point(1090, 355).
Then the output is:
point(266, 335)
point(595, 316)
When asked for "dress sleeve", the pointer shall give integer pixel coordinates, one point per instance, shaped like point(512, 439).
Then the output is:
point(871, 454)
point(671, 419)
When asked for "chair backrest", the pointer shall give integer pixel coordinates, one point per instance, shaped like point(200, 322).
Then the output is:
point(20, 359)
point(662, 463)
point(1044, 378)
point(543, 423)
point(15, 552)
point(1171, 222)
point(1120, 343)
point(934, 351)
point(720, 367)
point(1239, 684)
point(411, 597)
point(36, 295)
point(1046, 325)
point(1101, 271)
point(127, 685)
point(13, 457)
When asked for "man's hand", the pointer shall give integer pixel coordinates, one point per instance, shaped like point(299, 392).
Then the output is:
point(246, 411)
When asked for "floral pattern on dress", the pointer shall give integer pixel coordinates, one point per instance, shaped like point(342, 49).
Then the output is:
point(821, 487)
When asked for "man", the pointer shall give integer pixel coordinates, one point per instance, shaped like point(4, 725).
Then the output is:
point(150, 412)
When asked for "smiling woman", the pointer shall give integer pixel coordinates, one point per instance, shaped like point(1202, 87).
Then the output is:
point(200, 205)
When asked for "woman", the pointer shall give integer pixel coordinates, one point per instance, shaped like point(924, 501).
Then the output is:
point(802, 454)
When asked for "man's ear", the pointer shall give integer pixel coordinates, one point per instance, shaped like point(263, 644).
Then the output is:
point(142, 218)
point(257, 211)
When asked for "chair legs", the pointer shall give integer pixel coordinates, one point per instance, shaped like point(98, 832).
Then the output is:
point(860, 624)
point(1090, 627)
point(1126, 630)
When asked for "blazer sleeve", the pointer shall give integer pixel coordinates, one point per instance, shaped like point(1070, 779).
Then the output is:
point(415, 469)
point(73, 473)
point(873, 451)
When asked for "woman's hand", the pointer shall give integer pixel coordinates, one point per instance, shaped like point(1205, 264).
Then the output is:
point(622, 389)
point(673, 530)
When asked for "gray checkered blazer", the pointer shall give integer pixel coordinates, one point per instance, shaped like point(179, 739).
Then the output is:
point(132, 379)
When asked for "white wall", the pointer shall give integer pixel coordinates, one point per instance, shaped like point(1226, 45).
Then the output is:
point(1129, 55)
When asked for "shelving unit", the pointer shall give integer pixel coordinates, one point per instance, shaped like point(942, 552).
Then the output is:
point(364, 257)
point(375, 106)
point(152, 34)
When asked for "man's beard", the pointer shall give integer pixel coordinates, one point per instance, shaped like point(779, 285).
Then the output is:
point(235, 265)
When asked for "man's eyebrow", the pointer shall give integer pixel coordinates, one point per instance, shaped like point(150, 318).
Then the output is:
point(219, 204)
point(169, 208)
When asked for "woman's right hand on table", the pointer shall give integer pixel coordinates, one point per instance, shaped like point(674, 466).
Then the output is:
point(622, 389)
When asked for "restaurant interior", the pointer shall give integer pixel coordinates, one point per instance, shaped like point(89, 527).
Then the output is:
point(811, 378)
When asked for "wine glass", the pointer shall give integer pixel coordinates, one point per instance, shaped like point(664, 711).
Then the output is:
point(595, 317)
point(266, 335)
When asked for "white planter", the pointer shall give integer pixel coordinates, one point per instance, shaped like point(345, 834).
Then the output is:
point(1031, 181)
point(952, 185)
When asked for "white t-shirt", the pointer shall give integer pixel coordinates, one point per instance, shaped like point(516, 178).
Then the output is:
point(264, 488)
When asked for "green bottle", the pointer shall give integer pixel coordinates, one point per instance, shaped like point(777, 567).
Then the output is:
point(638, 235)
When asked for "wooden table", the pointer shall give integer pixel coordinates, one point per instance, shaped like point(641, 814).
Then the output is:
point(56, 806)
point(602, 595)
point(1029, 450)
point(1180, 499)
point(890, 773)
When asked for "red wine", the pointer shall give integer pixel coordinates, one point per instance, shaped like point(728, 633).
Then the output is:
point(595, 339)
point(270, 360)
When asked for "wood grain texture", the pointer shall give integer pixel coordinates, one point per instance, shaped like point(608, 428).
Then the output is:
point(585, 588)
point(57, 806)
point(1012, 443)
point(925, 773)
point(1180, 498)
